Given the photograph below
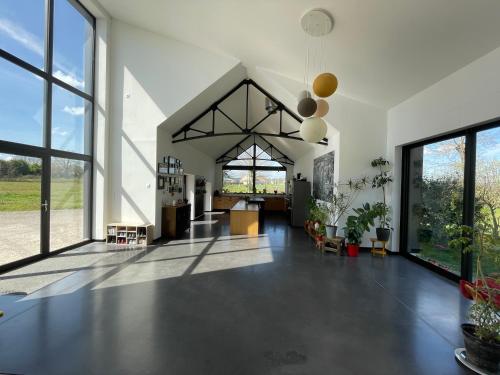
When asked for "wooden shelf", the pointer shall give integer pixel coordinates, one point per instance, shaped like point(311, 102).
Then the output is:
point(127, 234)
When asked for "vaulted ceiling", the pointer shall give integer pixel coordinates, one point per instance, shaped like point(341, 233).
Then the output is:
point(234, 107)
point(383, 51)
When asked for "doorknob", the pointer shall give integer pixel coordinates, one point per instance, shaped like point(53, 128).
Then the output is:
point(45, 205)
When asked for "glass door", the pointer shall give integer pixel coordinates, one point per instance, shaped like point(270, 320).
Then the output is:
point(435, 201)
point(20, 204)
point(487, 197)
point(69, 202)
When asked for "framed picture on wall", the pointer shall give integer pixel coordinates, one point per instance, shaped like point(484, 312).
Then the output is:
point(161, 183)
point(162, 168)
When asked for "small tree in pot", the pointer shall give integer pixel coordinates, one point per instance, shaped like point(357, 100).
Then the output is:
point(380, 181)
point(382, 211)
point(482, 339)
point(342, 199)
point(356, 226)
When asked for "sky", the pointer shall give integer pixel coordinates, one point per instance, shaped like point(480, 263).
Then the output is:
point(22, 33)
point(441, 158)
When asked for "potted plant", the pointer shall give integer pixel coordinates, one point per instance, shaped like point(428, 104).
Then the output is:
point(381, 211)
point(343, 196)
point(311, 209)
point(320, 215)
point(356, 226)
point(482, 337)
point(380, 181)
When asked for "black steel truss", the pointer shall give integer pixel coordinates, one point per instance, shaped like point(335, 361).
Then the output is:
point(184, 134)
point(234, 152)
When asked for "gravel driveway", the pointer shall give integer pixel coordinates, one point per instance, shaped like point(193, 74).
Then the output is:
point(20, 232)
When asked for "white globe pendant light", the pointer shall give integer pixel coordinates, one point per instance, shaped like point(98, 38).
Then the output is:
point(313, 129)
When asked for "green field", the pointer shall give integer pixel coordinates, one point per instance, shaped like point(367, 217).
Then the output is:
point(240, 188)
point(23, 194)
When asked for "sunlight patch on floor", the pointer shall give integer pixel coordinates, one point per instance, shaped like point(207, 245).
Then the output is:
point(234, 259)
point(194, 257)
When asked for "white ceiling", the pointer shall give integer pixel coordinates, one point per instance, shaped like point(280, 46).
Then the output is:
point(383, 51)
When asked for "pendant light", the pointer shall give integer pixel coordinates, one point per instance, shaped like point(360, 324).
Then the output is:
point(316, 23)
point(313, 129)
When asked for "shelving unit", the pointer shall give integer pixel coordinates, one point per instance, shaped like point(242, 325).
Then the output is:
point(127, 234)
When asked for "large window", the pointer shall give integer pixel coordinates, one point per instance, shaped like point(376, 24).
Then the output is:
point(254, 171)
point(46, 122)
point(447, 182)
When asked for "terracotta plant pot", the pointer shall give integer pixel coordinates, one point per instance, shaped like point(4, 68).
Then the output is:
point(484, 355)
point(352, 249)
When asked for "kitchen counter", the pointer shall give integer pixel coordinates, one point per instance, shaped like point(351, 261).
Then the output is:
point(244, 218)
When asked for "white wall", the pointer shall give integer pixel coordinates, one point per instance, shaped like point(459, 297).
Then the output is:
point(467, 97)
point(152, 77)
point(357, 134)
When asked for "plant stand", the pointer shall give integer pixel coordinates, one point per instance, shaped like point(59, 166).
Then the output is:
point(378, 250)
point(461, 357)
point(335, 245)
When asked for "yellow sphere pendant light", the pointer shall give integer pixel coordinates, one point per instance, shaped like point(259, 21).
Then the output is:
point(325, 85)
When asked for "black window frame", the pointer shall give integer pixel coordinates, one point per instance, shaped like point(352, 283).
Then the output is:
point(468, 194)
point(46, 152)
point(253, 167)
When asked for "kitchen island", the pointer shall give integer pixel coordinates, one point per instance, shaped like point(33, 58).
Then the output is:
point(244, 218)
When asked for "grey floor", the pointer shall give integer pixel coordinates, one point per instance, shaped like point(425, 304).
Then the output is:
point(215, 304)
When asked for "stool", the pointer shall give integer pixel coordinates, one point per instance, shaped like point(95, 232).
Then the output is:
point(337, 242)
point(378, 250)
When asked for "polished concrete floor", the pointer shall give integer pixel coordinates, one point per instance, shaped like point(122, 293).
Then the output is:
point(215, 304)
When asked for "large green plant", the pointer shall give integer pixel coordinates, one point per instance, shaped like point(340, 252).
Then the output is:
point(382, 212)
point(343, 197)
point(358, 224)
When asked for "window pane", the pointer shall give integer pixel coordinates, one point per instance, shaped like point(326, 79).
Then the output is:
point(267, 163)
point(435, 201)
point(73, 46)
point(20, 198)
point(270, 182)
point(71, 121)
point(69, 199)
point(22, 29)
point(235, 181)
point(21, 105)
point(487, 209)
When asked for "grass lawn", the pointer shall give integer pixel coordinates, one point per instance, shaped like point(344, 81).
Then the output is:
point(24, 194)
point(450, 259)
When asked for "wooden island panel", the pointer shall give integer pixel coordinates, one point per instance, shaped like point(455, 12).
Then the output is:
point(244, 218)
point(225, 202)
point(275, 204)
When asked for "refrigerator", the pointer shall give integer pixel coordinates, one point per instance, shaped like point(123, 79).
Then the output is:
point(301, 191)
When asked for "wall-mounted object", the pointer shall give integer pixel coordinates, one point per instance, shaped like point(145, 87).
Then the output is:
point(323, 177)
point(161, 183)
point(174, 165)
point(163, 168)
